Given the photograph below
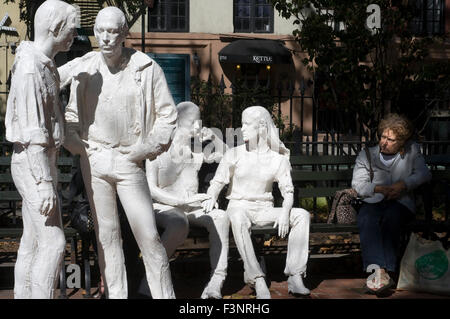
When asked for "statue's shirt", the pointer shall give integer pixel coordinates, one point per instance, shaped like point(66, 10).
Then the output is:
point(115, 108)
point(251, 175)
point(134, 105)
point(179, 175)
point(33, 114)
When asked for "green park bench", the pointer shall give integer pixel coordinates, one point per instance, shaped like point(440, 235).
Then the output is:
point(314, 176)
point(320, 176)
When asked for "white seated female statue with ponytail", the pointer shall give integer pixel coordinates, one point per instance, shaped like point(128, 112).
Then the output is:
point(251, 169)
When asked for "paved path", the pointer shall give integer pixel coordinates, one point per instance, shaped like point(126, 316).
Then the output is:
point(326, 278)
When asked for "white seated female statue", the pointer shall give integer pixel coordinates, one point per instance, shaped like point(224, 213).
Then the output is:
point(251, 169)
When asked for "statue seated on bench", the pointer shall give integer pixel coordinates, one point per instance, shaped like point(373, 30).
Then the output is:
point(173, 181)
point(251, 169)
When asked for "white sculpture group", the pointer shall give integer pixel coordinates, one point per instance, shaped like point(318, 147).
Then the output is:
point(134, 142)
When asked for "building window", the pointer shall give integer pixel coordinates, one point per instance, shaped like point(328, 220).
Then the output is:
point(169, 16)
point(335, 25)
point(253, 16)
point(429, 18)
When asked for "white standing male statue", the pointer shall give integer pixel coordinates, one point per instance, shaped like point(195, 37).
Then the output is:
point(173, 181)
point(120, 113)
point(34, 123)
point(251, 169)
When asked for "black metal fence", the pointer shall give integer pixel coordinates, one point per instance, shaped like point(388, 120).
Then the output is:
point(315, 130)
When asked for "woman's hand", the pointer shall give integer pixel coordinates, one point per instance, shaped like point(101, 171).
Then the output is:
point(393, 191)
point(209, 204)
point(383, 189)
point(396, 190)
point(283, 224)
point(200, 197)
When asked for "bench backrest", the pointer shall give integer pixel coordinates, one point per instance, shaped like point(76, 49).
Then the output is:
point(8, 193)
point(316, 176)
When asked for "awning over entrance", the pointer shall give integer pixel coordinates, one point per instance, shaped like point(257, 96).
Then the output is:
point(255, 51)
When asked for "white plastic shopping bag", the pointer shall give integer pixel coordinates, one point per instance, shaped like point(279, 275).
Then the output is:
point(425, 266)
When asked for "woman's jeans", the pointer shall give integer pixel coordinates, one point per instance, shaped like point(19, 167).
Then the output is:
point(380, 226)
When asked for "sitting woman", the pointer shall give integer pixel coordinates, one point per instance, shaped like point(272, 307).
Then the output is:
point(250, 170)
point(398, 168)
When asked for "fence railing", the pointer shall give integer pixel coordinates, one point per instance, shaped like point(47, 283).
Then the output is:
point(303, 121)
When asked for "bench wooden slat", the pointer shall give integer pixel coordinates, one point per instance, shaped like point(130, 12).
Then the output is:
point(62, 178)
point(441, 174)
point(333, 228)
point(322, 160)
point(10, 196)
point(441, 159)
point(318, 191)
point(61, 161)
point(5, 160)
point(17, 232)
point(332, 175)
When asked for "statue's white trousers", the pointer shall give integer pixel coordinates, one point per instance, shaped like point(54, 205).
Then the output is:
point(105, 172)
point(244, 214)
point(42, 244)
point(176, 221)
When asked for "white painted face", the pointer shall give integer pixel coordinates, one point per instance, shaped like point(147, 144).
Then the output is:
point(196, 127)
point(250, 126)
point(109, 34)
point(67, 34)
point(191, 122)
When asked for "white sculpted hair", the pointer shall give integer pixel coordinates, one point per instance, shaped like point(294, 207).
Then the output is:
point(52, 16)
point(273, 138)
point(184, 108)
point(108, 11)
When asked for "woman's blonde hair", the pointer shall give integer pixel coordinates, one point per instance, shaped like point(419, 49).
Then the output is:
point(400, 126)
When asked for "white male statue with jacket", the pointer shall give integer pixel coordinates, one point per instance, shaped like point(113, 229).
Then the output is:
point(120, 113)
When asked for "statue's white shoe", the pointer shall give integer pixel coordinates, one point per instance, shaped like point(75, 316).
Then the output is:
point(296, 286)
point(213, 288)
point(262, 292)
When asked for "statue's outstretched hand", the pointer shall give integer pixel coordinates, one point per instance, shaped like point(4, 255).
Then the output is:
point(47, 197)
point(283, 224)
point(209, 204)
point(197, 198)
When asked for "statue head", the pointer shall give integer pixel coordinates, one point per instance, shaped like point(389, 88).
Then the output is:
point(188, 118)
point(257, 124)
point(56, 19)
point(110, 30)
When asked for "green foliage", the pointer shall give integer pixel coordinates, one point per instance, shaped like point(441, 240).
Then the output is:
point(215, 106)
point(361, 72)
point(222, 110)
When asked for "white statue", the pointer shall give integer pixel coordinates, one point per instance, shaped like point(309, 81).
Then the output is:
point(173, 182)
point(251, 169)
point(34, 123)
point(120, 113)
